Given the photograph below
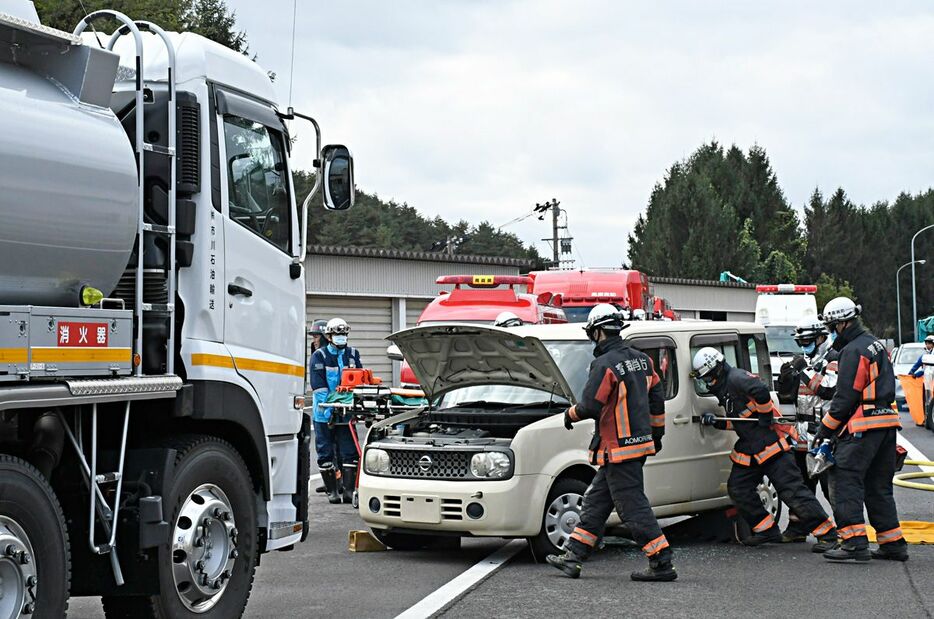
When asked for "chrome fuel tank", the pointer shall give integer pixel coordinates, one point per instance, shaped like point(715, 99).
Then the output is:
point(68, 192)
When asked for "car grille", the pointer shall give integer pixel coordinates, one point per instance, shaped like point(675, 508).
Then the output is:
point(451, 509)
point(443, 464)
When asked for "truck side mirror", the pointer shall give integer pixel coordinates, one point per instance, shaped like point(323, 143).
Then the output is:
point(338, 177)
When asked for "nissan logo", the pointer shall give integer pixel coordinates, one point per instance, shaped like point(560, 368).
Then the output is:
point(424, 463)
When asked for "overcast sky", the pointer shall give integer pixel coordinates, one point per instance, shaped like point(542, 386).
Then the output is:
point(478, 109)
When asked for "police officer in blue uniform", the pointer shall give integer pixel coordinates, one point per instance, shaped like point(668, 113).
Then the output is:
point(333, 441)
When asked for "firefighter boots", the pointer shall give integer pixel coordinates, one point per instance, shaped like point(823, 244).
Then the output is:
point(348, 481)
point(846, 553)
point(825, 542)
point(329, 478)
point(795, 533)
point(569, 563)
point(771, 535)
point(659, 570)
point(891, 552)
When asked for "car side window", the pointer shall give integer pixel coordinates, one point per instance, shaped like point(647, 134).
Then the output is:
point(666, 367)
point(758, 354)
point(729, 354)
point(257, 181)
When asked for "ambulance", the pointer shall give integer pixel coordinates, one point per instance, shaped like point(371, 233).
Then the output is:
point(779, 308)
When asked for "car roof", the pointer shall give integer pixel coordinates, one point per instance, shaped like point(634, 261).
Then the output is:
point(575, 330)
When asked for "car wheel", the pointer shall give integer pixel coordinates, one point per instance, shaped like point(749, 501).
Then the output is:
point(35, 566)
point(561, 515)
point(206, 567)
point(769, 497)
point(403, 541)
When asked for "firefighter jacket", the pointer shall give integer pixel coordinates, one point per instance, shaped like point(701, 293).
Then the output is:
point(626, 399)
point(742, 394)
point(327, 364)
point(865, 385)
point(817, 384)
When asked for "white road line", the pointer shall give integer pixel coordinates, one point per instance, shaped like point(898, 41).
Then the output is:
point(447, 593)
point(914, 453)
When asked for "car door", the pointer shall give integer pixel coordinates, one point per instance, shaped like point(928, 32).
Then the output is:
point(264, 313)
point(665, 481)
point(710, 466)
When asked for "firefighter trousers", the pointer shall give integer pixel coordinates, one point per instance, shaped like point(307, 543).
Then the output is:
point(862, 475)
point(743, 486)
point(619, 486)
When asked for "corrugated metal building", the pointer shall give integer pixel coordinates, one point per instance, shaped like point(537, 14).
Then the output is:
point(378, 291)
point(698, 298)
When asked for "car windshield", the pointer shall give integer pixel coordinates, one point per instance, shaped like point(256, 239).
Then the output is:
point(908, 354)
point(573, 359)
point(577, 314)
point(781, 341)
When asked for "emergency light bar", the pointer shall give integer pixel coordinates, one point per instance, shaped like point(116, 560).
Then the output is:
point(485, 281)
point(787, 288)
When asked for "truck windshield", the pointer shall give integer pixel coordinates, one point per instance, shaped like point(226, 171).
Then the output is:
point(573, 359)
point(781, 340)
point(577, 314)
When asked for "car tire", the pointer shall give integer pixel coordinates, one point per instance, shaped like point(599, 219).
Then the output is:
point(31, 519)
point(208, 472)
point(403, 541)
point(929, 415)
point(560, 516)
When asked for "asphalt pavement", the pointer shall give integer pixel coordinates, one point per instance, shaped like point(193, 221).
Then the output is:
point(322, 578)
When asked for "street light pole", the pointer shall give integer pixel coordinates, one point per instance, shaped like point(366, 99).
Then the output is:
point(914, 290)
point(898, 297)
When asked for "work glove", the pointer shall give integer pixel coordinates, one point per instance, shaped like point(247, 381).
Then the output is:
point(799, 363)
point(568, 422)
point(708, 419)
point(823, 432)
point(657, 439)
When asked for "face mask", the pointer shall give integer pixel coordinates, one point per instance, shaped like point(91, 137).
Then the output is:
point(339, 340)
point(809, 349)
point(832, 337)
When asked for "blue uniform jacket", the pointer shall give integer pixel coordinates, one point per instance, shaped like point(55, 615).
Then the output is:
point(327, 364)
point(916, 370)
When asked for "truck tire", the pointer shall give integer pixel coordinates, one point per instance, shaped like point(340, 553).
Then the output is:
point(560, 516)
point(210, 504)
point(403, 541)
point(34, 542)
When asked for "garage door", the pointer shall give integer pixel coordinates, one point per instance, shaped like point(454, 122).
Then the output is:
point(414, 309)
point(370, 321)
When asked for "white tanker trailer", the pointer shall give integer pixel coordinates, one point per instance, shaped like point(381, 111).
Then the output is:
point(153, 438)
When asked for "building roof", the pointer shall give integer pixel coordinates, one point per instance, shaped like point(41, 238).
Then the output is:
point(683, 281)
point(425, 256)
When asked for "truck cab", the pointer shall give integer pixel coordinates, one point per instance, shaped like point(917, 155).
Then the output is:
point(581, 290)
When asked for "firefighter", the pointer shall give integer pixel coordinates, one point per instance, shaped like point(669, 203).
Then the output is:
point(333, 441)
point(865, 426)
point(761, 449)
point(317, 334)
point(626, 400)
point(917, 370)
point(810, 380)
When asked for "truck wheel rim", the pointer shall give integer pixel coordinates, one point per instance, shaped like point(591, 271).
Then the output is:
point(18, 580)
point(562, 517)
point(204, 548)
point(769, 497)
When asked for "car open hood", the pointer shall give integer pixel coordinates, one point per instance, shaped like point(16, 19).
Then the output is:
point(451, 356)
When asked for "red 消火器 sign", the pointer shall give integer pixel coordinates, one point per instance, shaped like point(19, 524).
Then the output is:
point(93, 334)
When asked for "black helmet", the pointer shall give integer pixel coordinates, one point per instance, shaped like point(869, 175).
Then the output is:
point(317, 327)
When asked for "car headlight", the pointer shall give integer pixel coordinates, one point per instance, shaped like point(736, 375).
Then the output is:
point(376, 461)
point(490, 464)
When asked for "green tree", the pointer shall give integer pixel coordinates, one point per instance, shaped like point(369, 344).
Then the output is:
point(830, 288)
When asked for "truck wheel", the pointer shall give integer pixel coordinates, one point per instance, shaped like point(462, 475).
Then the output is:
point(35, 564)
point(562, 514)
point(403, 541)
point(207, 567)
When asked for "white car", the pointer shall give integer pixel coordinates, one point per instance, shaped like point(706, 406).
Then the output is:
point(491, 456)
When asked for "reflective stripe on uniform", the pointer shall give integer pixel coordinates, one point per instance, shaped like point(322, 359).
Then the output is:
point(854, 530)
point(655, 546)
point(657, 421)
point(823, 529)
point(861, 423)
point(831, 422)
point(887, 537)
point(622, 412)
point(772, 450)
point(740, 458)
point(621, 454)
point(815, 382)
point(765, 524)
point(584, 537)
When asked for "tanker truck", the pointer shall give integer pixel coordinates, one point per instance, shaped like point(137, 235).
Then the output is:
point(153, 438)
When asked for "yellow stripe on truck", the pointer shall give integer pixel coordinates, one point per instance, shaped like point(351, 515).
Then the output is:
point(252, 365)
point(13, 355)
point(81, 355)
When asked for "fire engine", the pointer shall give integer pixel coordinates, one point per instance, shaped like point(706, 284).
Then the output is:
point(581, 290)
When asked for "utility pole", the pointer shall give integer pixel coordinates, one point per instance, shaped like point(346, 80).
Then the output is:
point(559, 244)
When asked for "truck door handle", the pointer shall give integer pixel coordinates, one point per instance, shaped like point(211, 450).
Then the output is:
point(235, 290)
point(680, 420)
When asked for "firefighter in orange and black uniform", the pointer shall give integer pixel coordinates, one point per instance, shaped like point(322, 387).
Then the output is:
point(626, 399)
point(762, 448)
point(865, 426)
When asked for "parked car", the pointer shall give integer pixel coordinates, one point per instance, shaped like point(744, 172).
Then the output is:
point(491, 456)
point(903, 358)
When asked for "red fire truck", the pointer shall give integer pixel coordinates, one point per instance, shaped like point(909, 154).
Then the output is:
point(581, 290)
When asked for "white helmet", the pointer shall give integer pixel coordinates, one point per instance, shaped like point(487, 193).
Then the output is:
point(638, 314)
point(507, 319)
point(839, 310)
point(706, 361)
point(337, 326)
point(808, 330)
point(605, 316)
point(929, 339)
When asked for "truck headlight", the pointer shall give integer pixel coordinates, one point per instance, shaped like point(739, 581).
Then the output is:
point(490, 464)
point(376, 461)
